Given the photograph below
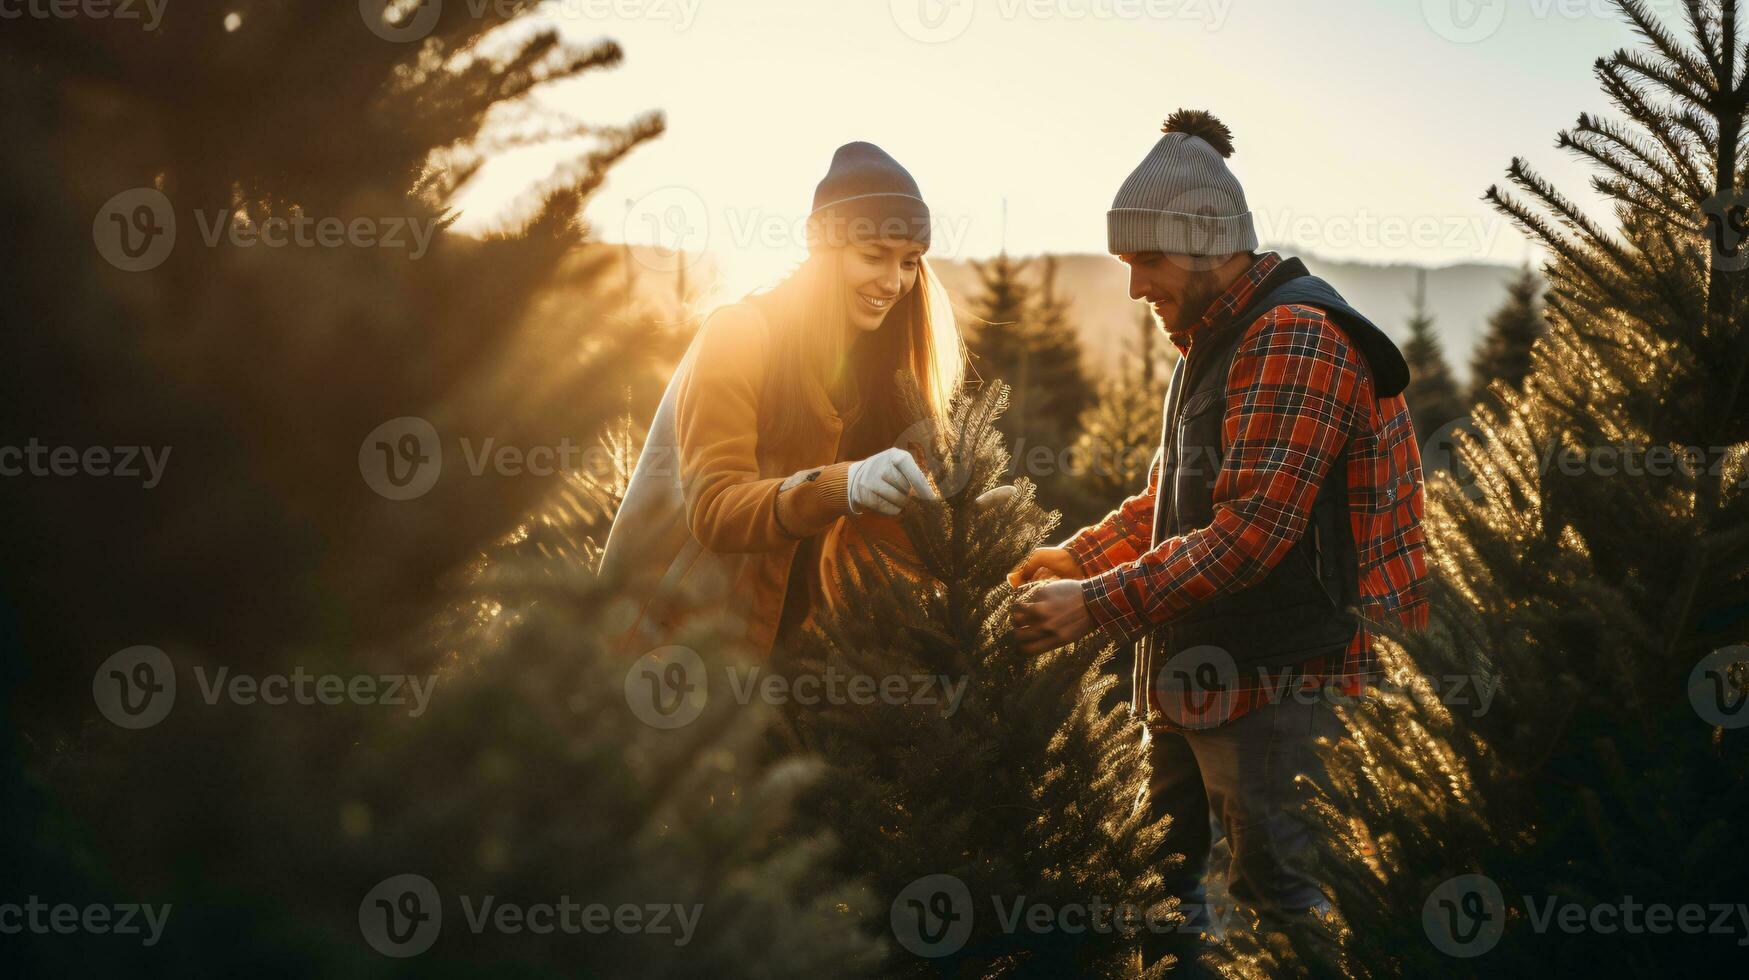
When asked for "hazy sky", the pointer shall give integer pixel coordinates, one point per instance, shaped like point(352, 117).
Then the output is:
point(1365, 129)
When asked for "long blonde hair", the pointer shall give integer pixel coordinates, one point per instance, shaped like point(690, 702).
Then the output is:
point(811, 336)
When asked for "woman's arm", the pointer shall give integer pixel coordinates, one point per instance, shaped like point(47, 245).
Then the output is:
point(729, 508)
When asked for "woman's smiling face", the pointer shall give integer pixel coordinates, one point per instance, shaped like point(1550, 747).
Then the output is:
point(877, 275)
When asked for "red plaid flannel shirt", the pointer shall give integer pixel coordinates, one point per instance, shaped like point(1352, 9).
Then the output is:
point(1298, 393)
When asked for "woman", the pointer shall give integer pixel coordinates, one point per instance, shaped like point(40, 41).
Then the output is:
point(772, 458)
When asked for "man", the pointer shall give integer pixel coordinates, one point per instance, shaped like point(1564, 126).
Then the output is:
point(1283, 507)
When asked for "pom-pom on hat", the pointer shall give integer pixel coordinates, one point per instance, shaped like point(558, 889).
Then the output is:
point(866, 195)
point(1182, 199)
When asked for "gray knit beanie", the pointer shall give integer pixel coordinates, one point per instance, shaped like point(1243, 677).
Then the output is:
point(1183, 200)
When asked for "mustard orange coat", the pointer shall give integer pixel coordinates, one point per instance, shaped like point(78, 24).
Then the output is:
point(713, 515)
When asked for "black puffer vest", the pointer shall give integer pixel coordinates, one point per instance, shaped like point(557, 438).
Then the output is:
point(1306, 605)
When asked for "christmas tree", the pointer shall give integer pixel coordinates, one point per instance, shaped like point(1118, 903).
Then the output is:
point(1432, 394)
point(1026, 340)
point(1120, 436)
point(1504, 353)
point(1007, 788)
point(1121, 431)
point(266, 509)
point(1595, 585)
point(272, 548)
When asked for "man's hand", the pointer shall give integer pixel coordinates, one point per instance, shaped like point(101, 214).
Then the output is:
point(1050, 615)
point(1043, 564)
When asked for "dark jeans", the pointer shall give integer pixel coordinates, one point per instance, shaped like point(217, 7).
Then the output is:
point(1240, 775)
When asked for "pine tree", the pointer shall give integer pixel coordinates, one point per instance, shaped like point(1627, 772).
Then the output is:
point(264, 369)
point(1056, 343)
point(1026, 340)
point(1121, 431)
point(1432, 394)
point(1022, 786)
point(267, 551)
point(1599, 584)
point(1120, 436)
point(577, 793)
point(1504, 353)
point(533, 775)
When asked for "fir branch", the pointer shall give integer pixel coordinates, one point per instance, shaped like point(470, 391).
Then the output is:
point(1662, 76)
point(1645, 24)
point(1627, 95)
point(1596, 138)
point(1705, 31)
point(1568, 213)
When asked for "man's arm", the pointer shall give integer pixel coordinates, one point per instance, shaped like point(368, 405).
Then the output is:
point(1119, 537)
point(1122, 535)
point(1292, 396)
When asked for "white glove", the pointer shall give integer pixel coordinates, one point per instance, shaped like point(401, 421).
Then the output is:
point(994, 497)
point(883, 482)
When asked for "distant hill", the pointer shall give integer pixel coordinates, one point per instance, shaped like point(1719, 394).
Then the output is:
point(1461, 297)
